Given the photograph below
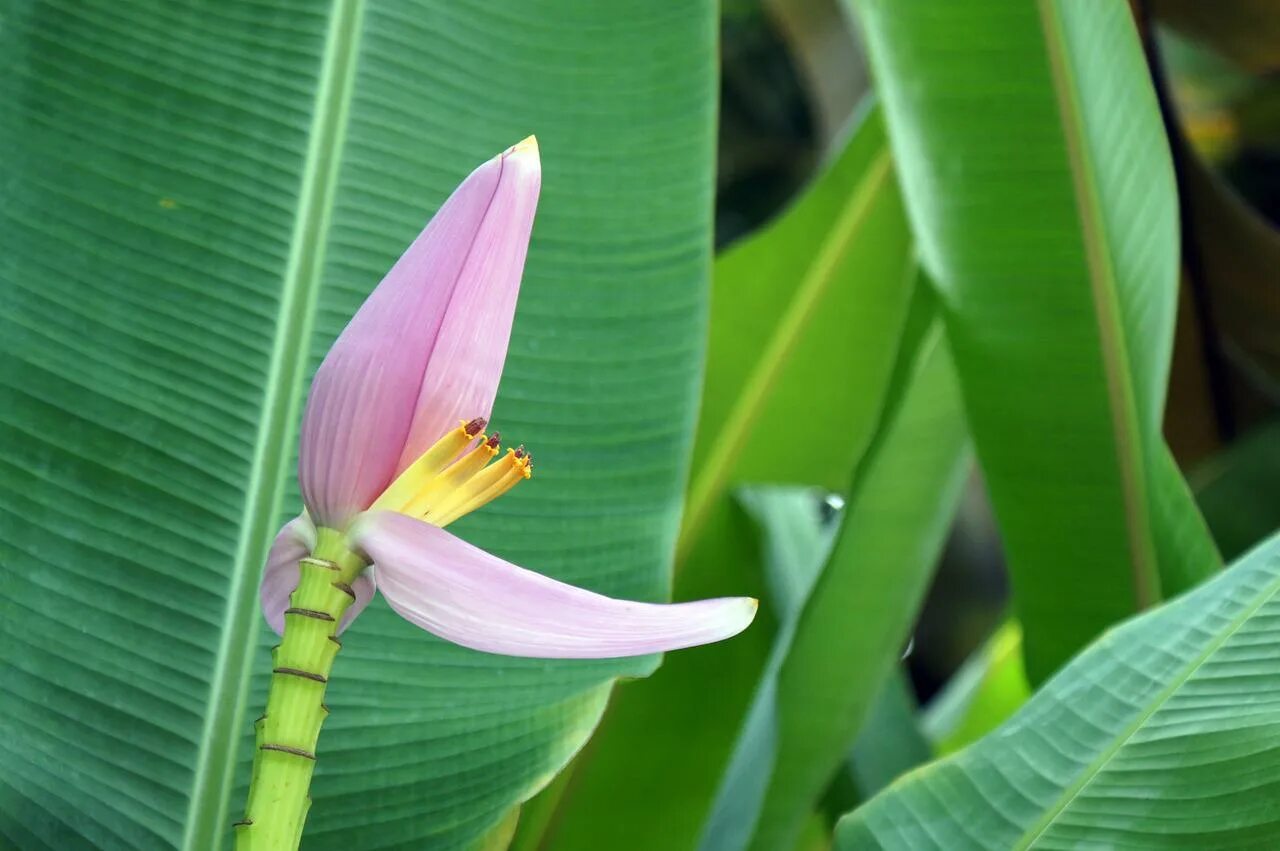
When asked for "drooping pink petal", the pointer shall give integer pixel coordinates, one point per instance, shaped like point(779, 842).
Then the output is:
point(462, 376)
point(295, 541)
point(461, 593)
point(365, 396)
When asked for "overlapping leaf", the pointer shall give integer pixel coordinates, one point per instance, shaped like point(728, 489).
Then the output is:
point(1161, 735)
point(1038, 180)
point(859, 616)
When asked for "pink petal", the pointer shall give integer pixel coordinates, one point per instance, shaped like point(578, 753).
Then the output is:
point(462, 376)
point(295, 541)
point(461, 593)
point(453, 291)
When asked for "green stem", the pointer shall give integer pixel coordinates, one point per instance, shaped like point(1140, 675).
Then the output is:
point(288, 730)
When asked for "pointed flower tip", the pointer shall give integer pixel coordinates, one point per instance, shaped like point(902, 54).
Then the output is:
point(527, 147)
point(525, 155)
point(746, 612)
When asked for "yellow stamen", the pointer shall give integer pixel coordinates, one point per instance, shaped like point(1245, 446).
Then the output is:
point(419, 475)
point(452, 478)
point(482, 488)
point(440, 486)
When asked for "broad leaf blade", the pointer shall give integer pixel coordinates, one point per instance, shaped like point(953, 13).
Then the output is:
point(1043, 201)
point(187, 196)
point(1159, 735)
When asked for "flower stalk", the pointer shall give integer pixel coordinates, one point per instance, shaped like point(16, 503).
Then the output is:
point(285, 745)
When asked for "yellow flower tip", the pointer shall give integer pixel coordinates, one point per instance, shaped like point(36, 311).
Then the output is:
point(527, 151)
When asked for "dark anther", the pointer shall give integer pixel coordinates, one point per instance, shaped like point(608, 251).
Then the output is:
point(494, 440)
point(310, 613)
point(520, 453)
point(286, 749)
point(475, 426)
point(321, 562)
point(345, 589)
point(306, 675)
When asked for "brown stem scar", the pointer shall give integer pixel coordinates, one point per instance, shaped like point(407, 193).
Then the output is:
point(310, 613)
point(295, 672)
point(290, 750)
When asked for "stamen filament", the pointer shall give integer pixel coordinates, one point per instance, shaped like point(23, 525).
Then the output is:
point(419, 475)
point(452, 477)
point(482, 488)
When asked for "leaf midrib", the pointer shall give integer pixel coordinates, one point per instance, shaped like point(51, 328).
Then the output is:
point(1102, 284)
point(215, 765)
point(729, 442)
point(1064, 801)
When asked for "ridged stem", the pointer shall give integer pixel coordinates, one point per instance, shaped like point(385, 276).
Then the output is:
point(287, 732)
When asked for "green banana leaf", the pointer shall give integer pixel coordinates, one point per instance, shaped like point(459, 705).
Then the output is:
point(195, 199)
point(1037, 175)
point(819, 293)
point(796, 538)
point(854, 625)
point(806, 318)
point(1160, 735)
point(890, 742)
point(798, 528)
